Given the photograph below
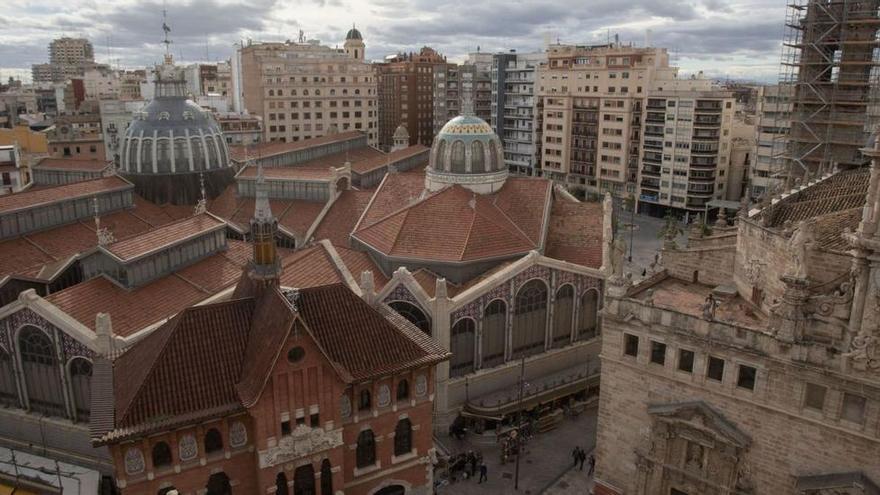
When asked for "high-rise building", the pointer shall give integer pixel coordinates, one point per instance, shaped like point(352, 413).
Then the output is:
point(406, 95)
point(686, 146)
point(772, 111)
point(453, 81)
point(515, 111)
point(70, 51)
point(593, 102)
point(303, 89)
point(830, 58)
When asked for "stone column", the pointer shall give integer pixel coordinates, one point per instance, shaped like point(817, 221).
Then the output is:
point(440, 322)
point(788, 319)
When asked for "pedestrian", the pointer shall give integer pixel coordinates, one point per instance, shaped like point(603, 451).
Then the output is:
point(581, 458)
point(483, 471)
point(592, 464)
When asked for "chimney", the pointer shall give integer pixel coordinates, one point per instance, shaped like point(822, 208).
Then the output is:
point(368, 286)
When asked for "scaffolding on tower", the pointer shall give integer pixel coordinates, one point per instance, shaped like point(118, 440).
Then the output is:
point(830, 62)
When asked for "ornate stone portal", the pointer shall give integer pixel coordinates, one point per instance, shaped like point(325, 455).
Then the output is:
point(304, 441)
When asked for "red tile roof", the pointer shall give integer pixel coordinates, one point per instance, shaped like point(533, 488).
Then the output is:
point(842, 191)
point(383, 159)
point(32, 198)
point(309, 267)
point(395, 192)
point(358, 262)
point(575, 233)
point(72, 164)
point(296, 216)
point(156, 239)
point(263, 150)
point(337, 224)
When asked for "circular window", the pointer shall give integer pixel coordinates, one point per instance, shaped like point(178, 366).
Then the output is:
point(295, 354)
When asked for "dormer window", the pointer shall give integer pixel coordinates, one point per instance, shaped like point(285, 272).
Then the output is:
point(164, 116)
point(187, 115)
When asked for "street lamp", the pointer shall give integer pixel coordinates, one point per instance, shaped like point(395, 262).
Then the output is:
point(631, 201)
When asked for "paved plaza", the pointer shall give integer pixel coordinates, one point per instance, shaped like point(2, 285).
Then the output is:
point(544, 468)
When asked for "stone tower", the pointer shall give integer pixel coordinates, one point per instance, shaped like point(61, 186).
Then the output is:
point(265, 267)
point(401, 138)
point(354, 44)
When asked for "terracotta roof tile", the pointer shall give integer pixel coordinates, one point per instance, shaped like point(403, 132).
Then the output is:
point(219, 271)
point(828, 229)
point(519, 192)
point(382, 159)
point(32, 198)
point(428, 281)
point(575, 233)
point(338, 223)
point(166, 235)
point(309, 267)
point(269, 149)
point(395, 192)
point(298, 216)
point(226, 203)
point(67, 240)
point(19, 255)
point(358, 262)
point(842, 191)
point(72, 164)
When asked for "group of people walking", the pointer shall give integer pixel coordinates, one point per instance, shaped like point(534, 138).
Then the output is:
point(579, 455)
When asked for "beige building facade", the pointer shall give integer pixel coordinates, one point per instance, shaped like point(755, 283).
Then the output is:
point(302, 90)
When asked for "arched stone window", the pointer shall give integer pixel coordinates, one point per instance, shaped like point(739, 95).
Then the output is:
point(304, 480)
point(271, 92)
point(8, 389)
point(161, 455)
point(402, 390)
point(563, 315)
point(332, 92)
point(213, 441)
point(366, 449)
point(493, 156)
point(530, 319)
point(281, 484)
point(146, 154)
point(305, 92)
point(218, 484)
point(458, 157)
point(494, 331)
point(461, 344)
point(588, 319)
point(439, 158)
point(364, 402)
point(163, 153)
point(403, 437)
point(326, 477)
point(412, 313)
point(478, 159)
point(80, 384)
point(42, 375)
point(317, 92)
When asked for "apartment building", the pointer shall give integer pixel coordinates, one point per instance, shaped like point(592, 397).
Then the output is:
point(406, 95)
point(686, 147)
point(68, 58)
point(452, 83)
point(516, 114)
point(773, 109)
point(303, 89)
point(592, 100)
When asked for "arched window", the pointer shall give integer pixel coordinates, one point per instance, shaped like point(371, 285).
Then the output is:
point(8, 390)
point(494, 330)
point(218, 484)
point(364, 402)
point(146, 154)
point(281, 484)
point(366, 449)
point(280, 92)
point(80, 384)
point(271, 92)
point(317, 92)
point(357, 91)
point(530, 319)
point(439, 159)
point(304, 480)
point(478, 159)
point(163, 153)
point(167, 490)
point(305, 92)
point(332, 92)
point(588, 320)
point(402, 390)
point(161, 455)
point(493, 156)
point(458, 155)
point(403, 437)
point(412, 313)
point(213, 441)
point(461, 344)
point(563, 315)
point(41, 374)
point(326, 477)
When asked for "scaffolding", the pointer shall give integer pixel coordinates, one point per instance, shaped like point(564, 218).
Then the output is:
point(830, 57)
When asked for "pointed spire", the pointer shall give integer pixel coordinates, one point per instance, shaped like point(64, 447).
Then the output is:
point(262, 210)
point(104, 235)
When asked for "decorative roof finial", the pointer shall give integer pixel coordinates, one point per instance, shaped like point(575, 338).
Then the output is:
point(262, 210)
point(166, 29)
point(104, 235)
point(202, 204)
point(467, 97)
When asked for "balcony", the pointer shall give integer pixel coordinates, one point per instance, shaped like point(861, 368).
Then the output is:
point(706, 135)
point(709, 106)
point(707, 121)
point(651, 170)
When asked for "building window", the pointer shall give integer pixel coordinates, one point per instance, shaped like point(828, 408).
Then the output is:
point(746, 377)
point(218, 484)
point(364, 403)
point(326, 477)
point(213, 441)
point(853, 408)
point(494, 330)
point(588, 317)
point(563, 315)
point(413, 314)
point(161, 455)
point(402, 390)
point(461, 345)
point(8, 389)
point(403, 437)
point(281, 484)
point(658, 353)
point(366, 449)
point(814, 396)
point(41, 372)
point(315, 420)
point(530, 318)
point(80, 382)
point(304, 480)
point(285, 428)
point(630, 345)
point(686, 360)
point(715, 369)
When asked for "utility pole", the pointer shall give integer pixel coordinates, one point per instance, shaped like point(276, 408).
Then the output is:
point(522, 383)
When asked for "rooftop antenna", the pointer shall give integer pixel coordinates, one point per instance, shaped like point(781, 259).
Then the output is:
point(166, 29)
point(302, 36)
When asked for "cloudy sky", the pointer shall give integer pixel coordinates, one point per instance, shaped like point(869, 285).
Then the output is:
point(724, 38)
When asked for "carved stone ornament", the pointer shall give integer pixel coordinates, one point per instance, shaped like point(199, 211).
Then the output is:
point(755, 271)
point(345, 406)
point(134, 461)
point(237, 434)
point(421, 385)
point(304, 441)
point(384, 396)
point(865, 352)
point(188, 448)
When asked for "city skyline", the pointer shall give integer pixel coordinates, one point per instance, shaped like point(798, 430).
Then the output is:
point(737, 40)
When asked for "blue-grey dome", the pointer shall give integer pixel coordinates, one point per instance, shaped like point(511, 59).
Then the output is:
point(353, 34)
